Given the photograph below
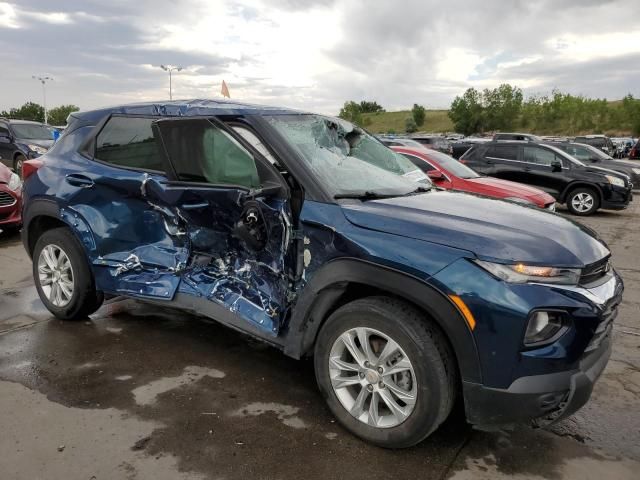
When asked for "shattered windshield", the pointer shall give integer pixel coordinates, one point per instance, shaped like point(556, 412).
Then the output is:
point(347, 159)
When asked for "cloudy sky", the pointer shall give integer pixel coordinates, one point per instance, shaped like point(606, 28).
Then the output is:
point(315, 54)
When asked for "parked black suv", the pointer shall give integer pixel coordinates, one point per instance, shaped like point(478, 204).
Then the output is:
point(22, 140)
point(592, 155)
point(516, 136)
point(583, 188)
point(601, 142)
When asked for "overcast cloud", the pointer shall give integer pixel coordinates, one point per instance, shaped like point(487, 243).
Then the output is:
point(315, 54)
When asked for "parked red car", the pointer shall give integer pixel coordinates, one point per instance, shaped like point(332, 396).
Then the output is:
point(448, 173)
point(10, 199)
point(634, 154)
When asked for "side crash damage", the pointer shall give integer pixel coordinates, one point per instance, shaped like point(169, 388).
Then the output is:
point(239, 265)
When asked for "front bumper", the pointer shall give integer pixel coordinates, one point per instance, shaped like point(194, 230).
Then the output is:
point(618, 198)
point(548, 395)
point(540, 399)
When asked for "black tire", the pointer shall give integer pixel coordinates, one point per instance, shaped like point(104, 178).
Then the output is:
point(17, 164)
point(426, 347)
point(85, 299)
point(593, 193)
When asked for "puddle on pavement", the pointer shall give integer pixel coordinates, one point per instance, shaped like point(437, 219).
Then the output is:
point(147, 394)
point(285, 413)
point(54, 441)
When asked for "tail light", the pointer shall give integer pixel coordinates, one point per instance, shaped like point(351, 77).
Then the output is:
point(30, 167)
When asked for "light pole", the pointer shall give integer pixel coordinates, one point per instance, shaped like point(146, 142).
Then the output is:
point(170, 68)
point(43, 81)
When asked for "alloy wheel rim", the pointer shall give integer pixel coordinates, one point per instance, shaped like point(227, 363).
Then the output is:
point(373, 377)
point(19, 168)
point(55, 275)
point(582, 202)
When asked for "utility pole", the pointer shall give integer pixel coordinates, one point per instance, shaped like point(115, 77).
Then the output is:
point(170, 68)
point(43, 81)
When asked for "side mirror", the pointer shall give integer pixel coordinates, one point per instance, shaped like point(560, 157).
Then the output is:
point(556, 166)
point(435, 175)
point(5, 139)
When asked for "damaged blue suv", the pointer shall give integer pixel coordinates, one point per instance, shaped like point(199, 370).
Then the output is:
point(303, 231)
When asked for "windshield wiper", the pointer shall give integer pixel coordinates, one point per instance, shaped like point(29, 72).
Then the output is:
point(420, 189)
point(366, 195)
point(371, 195)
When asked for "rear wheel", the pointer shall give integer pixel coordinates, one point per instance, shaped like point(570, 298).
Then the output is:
point(63, 277)
point(583, 201)
point(386, 373)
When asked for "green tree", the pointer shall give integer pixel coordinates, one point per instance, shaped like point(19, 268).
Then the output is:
point(370, 107)
point(58, 115)
point(467, 113)
point(502, 107)
point(352, 112)
point(28, 111)
point(410, 125)
point(631, 108)
point(419, 113)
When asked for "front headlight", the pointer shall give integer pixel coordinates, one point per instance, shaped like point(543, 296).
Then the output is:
point(636, 171)
point(545, 327)
point(37, 149)
point(521, 273)
point(615, 180)
point(14, 182)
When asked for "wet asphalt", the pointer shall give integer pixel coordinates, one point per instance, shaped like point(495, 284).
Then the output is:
point(141, 392)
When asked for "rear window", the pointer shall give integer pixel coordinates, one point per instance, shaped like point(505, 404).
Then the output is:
point(596, 142)
point(129, 142)
point(507, 152)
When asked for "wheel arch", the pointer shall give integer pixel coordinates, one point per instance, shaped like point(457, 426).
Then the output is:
point(341, 281)
point(42, 214)
point(578, 184)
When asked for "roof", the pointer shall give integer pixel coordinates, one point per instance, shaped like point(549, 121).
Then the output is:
point(181, 108)
point(15, 120)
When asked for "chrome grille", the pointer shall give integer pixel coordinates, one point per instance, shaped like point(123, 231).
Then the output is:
point(595, 271)
point(6, 199)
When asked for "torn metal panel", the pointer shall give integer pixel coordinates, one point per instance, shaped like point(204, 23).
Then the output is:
point(253, 284)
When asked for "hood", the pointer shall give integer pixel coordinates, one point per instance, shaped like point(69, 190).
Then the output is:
point(620, 163)
point(510, 189)
point(605, 171)
point(492, 229)
point(40, 142)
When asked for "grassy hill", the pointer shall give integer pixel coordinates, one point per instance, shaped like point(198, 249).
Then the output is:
point(384, 122)
point(613, 122)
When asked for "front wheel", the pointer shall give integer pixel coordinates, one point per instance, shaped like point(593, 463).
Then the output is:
point(583, 201)
point(386, 373)
point(62, 276)
point(17, 164)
